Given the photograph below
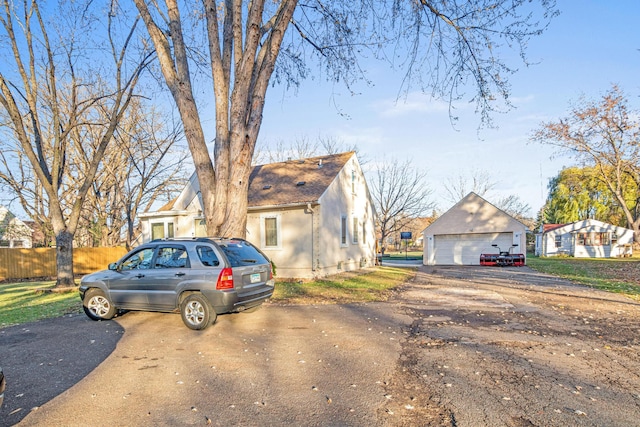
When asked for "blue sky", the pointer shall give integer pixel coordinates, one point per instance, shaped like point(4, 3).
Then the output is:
point(590, 46)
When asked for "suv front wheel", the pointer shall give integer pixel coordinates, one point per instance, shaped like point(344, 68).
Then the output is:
point(97, 306)
point(196, 312)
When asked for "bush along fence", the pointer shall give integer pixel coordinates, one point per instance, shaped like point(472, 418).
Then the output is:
point(31, 263)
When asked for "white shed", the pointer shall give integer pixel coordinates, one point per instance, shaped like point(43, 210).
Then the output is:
point(469, 229)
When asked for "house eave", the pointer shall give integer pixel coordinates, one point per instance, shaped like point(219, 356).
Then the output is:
point(282, 206)
point(159, 214)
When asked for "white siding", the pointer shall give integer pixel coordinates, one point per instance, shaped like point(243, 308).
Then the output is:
point(294, 255)
point(347, 195)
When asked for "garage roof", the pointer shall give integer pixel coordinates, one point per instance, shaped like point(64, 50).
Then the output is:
point(473, 214)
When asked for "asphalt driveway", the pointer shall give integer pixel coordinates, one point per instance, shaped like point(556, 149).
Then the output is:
point(43, 359)
point(296, 365)
point(458, 346)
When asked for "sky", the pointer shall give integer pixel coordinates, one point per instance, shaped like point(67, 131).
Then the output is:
point(590, 46)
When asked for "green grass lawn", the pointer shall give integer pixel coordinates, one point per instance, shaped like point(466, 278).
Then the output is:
point(400, 255)
point(619, 275)
point(25, 302)
point(372, 285)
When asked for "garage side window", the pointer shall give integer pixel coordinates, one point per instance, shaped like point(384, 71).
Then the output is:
point(558, 241)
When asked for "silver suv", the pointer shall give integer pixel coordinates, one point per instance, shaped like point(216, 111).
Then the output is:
point(201, 277)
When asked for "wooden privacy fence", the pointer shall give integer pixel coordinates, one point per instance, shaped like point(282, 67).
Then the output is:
point(27, 263)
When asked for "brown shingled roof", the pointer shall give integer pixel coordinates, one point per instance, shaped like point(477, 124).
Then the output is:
point(550, 227)
point(294, 181)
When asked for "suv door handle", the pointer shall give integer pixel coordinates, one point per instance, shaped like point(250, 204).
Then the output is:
point(180, 274)
point(140, 275)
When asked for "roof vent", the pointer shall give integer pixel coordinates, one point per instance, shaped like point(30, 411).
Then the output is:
point(320, 163)
point(266, 187)
point(300, 183)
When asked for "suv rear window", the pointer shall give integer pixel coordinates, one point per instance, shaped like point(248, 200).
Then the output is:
point(241, 253)
point(207, 256)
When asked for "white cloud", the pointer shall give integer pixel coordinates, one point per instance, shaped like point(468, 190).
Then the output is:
point(414, 102)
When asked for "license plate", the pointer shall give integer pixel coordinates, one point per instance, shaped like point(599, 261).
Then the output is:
point(255, 278)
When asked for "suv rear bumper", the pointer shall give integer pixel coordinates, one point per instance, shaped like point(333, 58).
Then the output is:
point(230, 301)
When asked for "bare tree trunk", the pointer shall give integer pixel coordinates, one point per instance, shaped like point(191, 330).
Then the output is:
point(64, 259)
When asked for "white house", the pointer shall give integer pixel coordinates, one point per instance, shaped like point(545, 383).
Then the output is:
point(312, 217)
point(469, 229)
point(588, 238)
point(13, 232)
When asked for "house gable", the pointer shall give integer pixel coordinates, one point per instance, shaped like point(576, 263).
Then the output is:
point(473, 214)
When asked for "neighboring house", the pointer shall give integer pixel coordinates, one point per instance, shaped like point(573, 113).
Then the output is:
point(588, 238)
point(312, 217)
point(14, 233)
point(469, 229)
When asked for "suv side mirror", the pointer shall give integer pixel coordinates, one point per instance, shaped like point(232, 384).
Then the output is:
point(113, 266)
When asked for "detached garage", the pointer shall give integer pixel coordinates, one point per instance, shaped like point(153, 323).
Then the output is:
point(469, 229)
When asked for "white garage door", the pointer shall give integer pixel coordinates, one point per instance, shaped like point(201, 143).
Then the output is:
point(465, 249)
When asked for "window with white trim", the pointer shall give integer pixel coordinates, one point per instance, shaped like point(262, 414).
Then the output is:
point(160, 230)
point(353, 182)
point(270, 231)
point(364, 232)
point(200, 227)
point(356, 230)
point(343, 230)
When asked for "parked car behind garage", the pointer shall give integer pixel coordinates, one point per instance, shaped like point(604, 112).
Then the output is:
point(201, 277)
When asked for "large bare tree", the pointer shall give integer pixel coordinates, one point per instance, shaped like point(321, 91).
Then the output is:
point(69, 77)
point(477, 180)
point(483, 183)
point(302, 148)
point(143, 166)
point(603, 134)
point(400, 195)
point(451, 49)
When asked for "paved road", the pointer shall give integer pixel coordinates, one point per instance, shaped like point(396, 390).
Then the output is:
point(457, 347)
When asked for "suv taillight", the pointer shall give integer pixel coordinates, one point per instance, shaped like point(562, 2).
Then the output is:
point(225, 280)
